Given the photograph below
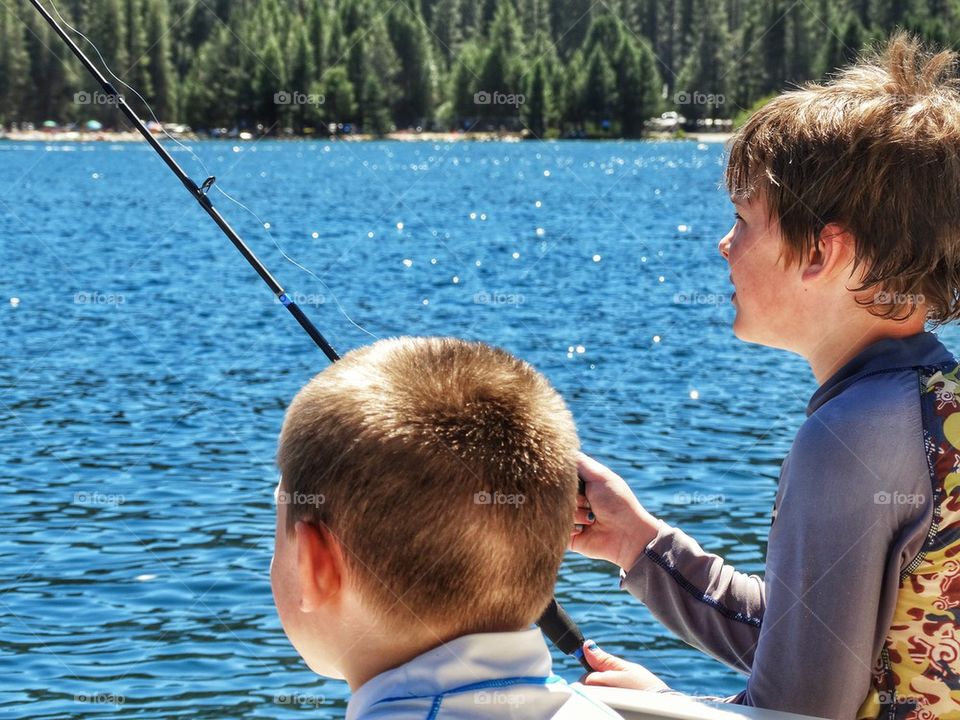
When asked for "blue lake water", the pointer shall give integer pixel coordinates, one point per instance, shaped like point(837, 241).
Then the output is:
point(145, 371)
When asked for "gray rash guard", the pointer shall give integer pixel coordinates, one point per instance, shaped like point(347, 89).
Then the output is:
point(852, 510)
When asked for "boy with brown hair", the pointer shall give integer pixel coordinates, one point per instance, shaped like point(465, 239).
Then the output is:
point(846, 243)
point(423, 510)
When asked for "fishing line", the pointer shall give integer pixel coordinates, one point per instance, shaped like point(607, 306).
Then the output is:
point(297, 264)
point(554, 622)
point(206, 170)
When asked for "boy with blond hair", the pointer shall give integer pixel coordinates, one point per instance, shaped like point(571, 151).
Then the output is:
point(846, 243)
point(422, 513)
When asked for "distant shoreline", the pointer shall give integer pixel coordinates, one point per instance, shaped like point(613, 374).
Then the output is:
point(132, 136)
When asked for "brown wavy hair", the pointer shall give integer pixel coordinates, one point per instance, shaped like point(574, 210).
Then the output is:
point(875, 149)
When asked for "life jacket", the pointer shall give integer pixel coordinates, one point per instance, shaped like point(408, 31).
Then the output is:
point(917, 676)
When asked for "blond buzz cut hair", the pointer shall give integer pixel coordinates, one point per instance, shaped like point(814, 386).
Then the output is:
point(875, 149)
point(447, 471)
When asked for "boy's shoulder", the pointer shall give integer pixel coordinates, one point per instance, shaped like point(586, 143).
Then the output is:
point(474, 677)
point(885, 402)
point(558, 701)
point(881, 409)
point(868, 438)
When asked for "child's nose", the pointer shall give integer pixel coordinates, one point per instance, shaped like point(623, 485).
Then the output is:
point(724, 246)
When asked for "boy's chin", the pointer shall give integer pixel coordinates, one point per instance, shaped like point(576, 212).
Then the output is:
point(740, 329)
point(743, 331)
point(759, 336)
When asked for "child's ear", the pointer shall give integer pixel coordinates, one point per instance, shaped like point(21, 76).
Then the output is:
point(834, 251)
point(319, 565)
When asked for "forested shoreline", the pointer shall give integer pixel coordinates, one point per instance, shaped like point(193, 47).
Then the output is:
point(547, 67)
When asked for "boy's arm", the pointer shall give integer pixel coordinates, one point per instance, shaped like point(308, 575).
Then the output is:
point(832, 573)
point(697, 596)
point(693, 593)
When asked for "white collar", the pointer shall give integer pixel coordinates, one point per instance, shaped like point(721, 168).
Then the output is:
point(463, 661)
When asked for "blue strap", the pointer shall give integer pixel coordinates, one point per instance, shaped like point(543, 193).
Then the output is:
point(435, 710)
point(482, 685)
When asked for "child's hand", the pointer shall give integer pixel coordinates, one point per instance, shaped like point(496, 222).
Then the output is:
point(609, 522)
point(611, 671)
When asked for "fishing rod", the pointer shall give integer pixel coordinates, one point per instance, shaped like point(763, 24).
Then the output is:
point(199, 192)
point(555, 623)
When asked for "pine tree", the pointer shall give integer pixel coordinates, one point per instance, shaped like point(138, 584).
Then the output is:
point(505, 30)
point(638, 84)
point(605, 31)
point(162, 74)
point(53, 69)
point(300, 75)
point(447, 26)
point(470, 15)
point(747, 76)
point(340, 104)
point(270, 81)
point(336, 51)
point(417, 77)
point(464, 83)
point(570, 20)
point(487, 9)
point(703, 85)
point(534, 17)
point(537, 108)
point(372, 67)
point(353, 14)
point(376, 108)
point(317, 34)
point(498, 76)
point(686, 19)
point(599, 90)
point(109, 29)
point(800, 48)
point(539, 80)
point(771, 45)
point(842, 46)
point(500, 71)
point(14, 67)
point(137, 71)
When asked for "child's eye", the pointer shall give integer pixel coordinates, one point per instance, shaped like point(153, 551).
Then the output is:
point(737, 216)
